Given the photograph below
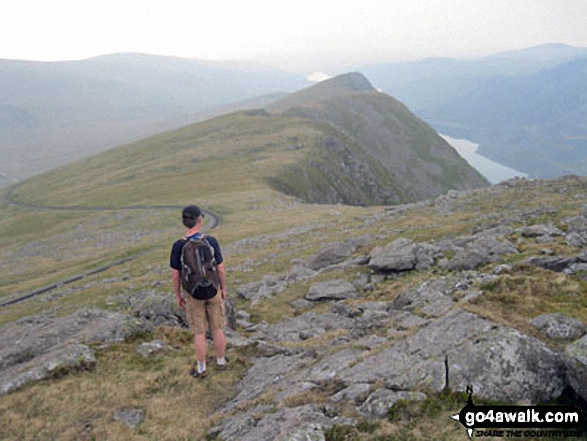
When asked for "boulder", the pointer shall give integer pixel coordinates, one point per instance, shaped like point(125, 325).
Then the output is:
point(576, 363)
point(558, 326)
point(403, 255)
point(331, 290)
point(553, 263)
point(467, 259)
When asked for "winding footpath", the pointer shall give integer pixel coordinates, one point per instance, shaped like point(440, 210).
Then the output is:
point(215, 222)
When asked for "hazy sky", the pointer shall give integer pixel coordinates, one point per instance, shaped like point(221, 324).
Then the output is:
point(298, 34)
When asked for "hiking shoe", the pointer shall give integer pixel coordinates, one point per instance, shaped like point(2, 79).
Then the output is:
point(222, 367)
point(194, 373)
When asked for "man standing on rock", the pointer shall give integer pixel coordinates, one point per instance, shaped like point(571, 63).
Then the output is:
point(203, 309)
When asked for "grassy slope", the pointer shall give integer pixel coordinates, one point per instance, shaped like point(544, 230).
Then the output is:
point(80, 406)
point(405, 147)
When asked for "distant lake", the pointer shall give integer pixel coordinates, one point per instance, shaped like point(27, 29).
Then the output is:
point(493, 171)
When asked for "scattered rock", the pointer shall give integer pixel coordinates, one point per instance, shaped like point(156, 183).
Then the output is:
point(265, 288)
point(356, 393)
point(331, 290)
point(300, 304)
point(299, 273)
point(157, 308)
point(379, 402)
point(289, 330)
point(553, 263)
point(576, 239)
point(129, 417)
point(349, 311)
point(152, 348)
point(467, 260)
point(430, 299)
point(331, 254)
point(558, 326)
point(540, 230)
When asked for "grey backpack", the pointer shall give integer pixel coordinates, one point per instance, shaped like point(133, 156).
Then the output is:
point(199, 272)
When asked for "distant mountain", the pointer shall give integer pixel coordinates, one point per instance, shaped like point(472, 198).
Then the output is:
point(53, 113)
point(429, 82)
point(536, 123)
point(340, 142)
point(386, 151)
point(525, 107)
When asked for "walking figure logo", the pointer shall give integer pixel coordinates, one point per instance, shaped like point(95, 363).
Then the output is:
point(545, 420)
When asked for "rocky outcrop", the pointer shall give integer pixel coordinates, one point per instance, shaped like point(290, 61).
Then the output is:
point(263, 289)
point(42, 346)
point(500, 362)
point(57, 362)
point(302, 423)
point(576, 363)
point(33, 336)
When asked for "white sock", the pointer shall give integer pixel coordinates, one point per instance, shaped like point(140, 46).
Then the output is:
point(201, 367)
point(221, 361)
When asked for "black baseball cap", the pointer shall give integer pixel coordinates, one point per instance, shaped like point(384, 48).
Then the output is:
point(191, 212)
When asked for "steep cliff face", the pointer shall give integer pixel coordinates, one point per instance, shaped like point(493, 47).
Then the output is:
point(405, 158)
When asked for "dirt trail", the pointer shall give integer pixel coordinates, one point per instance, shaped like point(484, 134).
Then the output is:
point(215, 221)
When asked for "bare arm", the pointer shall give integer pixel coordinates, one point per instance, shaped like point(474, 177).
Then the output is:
point(177, 288)
point(222, 276)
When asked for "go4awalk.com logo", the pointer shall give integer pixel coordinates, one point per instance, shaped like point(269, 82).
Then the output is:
point(521, 421)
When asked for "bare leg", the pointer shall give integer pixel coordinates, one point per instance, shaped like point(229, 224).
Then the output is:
point(200, 347)
point(219, 342)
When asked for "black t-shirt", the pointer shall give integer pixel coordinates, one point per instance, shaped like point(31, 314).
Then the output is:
point(175, 259)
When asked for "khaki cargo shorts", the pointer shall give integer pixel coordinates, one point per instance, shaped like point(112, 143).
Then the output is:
point(203, 313)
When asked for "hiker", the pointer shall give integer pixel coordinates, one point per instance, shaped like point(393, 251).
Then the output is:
point(207, 308)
